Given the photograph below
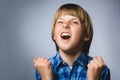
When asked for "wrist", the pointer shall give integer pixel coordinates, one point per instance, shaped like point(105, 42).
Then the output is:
point(93, 79)
point(46, 78)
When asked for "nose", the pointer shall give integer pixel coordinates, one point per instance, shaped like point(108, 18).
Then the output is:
point(66, 25)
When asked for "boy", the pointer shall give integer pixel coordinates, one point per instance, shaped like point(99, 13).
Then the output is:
point(72, 33)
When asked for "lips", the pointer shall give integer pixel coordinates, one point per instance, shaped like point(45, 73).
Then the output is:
point(65, 35)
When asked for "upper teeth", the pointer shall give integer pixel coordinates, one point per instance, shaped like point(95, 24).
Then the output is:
point(65, 34)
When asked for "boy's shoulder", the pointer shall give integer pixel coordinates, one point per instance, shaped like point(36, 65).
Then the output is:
point(55, 60)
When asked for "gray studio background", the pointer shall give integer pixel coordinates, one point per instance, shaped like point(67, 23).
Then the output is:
point(25, 33)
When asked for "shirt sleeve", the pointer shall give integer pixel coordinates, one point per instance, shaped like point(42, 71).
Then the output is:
point(37, 75)
point(105, 74)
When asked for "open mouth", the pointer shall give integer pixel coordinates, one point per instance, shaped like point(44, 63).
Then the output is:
point(65, 36)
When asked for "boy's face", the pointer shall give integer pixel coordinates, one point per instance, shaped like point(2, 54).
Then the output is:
point(68, 33)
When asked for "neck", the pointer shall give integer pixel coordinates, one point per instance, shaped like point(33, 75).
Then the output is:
point(68, 57)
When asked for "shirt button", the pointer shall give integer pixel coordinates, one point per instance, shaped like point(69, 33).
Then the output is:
point(64, 63)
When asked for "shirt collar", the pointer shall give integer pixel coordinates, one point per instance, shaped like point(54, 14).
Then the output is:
point(82, 60)
point(58, 59)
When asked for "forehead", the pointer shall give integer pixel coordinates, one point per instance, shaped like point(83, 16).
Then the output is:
point(68, 17)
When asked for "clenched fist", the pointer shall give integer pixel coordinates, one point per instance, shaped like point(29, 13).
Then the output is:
point(43, 66)
point(94, 68)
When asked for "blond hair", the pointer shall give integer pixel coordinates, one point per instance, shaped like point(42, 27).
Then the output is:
point(76, 10)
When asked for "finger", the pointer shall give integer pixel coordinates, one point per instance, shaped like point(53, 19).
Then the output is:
point(48, 61)
point(40, 59)
point(92, 65)
point(43, 59)
point(99, 61)
point(99, 64)
point(35, 63)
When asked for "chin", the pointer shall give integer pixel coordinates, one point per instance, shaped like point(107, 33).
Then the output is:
point(66, 49)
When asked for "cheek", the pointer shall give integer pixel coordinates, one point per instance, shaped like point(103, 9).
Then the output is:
point(78, 34)
point(56, 32)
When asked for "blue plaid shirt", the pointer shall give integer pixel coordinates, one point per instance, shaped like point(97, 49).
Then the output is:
point(62, 71)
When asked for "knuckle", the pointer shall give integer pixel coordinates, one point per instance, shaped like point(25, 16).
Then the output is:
point(88, 65)
point(49, 62)
point(100, 66)
point(44, 64)
point(97, 67)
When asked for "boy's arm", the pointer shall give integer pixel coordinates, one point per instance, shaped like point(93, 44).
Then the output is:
point(43, 66)
point(94, 68)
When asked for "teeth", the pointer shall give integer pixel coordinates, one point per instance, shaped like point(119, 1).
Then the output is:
point(65, 34)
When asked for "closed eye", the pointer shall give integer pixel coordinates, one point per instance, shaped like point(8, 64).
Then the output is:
point(75, 22)
point(60, 22)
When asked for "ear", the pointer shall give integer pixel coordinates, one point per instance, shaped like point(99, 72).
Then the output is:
point(54, 38)
point(86, 38)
